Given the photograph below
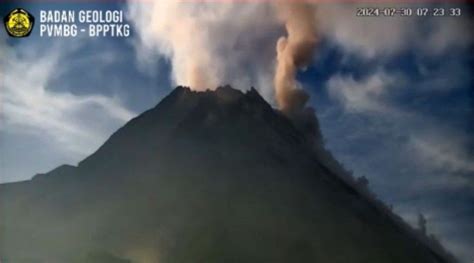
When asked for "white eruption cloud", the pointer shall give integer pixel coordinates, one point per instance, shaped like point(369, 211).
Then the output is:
point(212, 44)
point(208, 44)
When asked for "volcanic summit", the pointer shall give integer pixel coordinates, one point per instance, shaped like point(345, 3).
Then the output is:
point(215, 176)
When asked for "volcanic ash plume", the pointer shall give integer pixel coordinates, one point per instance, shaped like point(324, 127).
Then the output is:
point(209, 44)
point(294, 52)
point(179, 35)
point(212, 44)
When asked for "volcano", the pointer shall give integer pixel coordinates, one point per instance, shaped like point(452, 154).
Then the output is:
point(215, 176)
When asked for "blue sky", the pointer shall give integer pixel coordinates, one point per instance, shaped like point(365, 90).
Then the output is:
point(394, 98)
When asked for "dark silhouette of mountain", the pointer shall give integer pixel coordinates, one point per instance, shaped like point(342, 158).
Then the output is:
point(216, 176)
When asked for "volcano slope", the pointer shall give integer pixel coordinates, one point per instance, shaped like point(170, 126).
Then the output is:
point(216, 176)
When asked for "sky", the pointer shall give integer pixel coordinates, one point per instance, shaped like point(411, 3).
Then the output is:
point(394, 96)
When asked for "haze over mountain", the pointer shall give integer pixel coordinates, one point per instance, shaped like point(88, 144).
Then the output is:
point(214, 176)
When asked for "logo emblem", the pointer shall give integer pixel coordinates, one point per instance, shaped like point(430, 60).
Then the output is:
point(19, 23)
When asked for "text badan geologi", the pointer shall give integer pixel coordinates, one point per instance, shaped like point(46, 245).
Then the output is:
point(67, 23)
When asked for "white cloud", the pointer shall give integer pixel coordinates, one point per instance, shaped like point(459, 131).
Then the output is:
point(372, 37)
point(444, 152)
point(365, 95)
point(28, 106)
point(366, 36)
point(446, 34)
point(435, 147)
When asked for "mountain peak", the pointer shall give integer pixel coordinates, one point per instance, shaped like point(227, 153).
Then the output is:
point(221, 113)
point(212, 176)
point(224, 93)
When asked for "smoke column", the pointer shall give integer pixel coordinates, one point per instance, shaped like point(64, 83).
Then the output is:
point(178, 32)
point(209, 43)
point(294, 52)
point(212, 44)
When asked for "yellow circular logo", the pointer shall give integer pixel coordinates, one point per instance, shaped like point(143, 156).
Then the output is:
point(19, 23)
